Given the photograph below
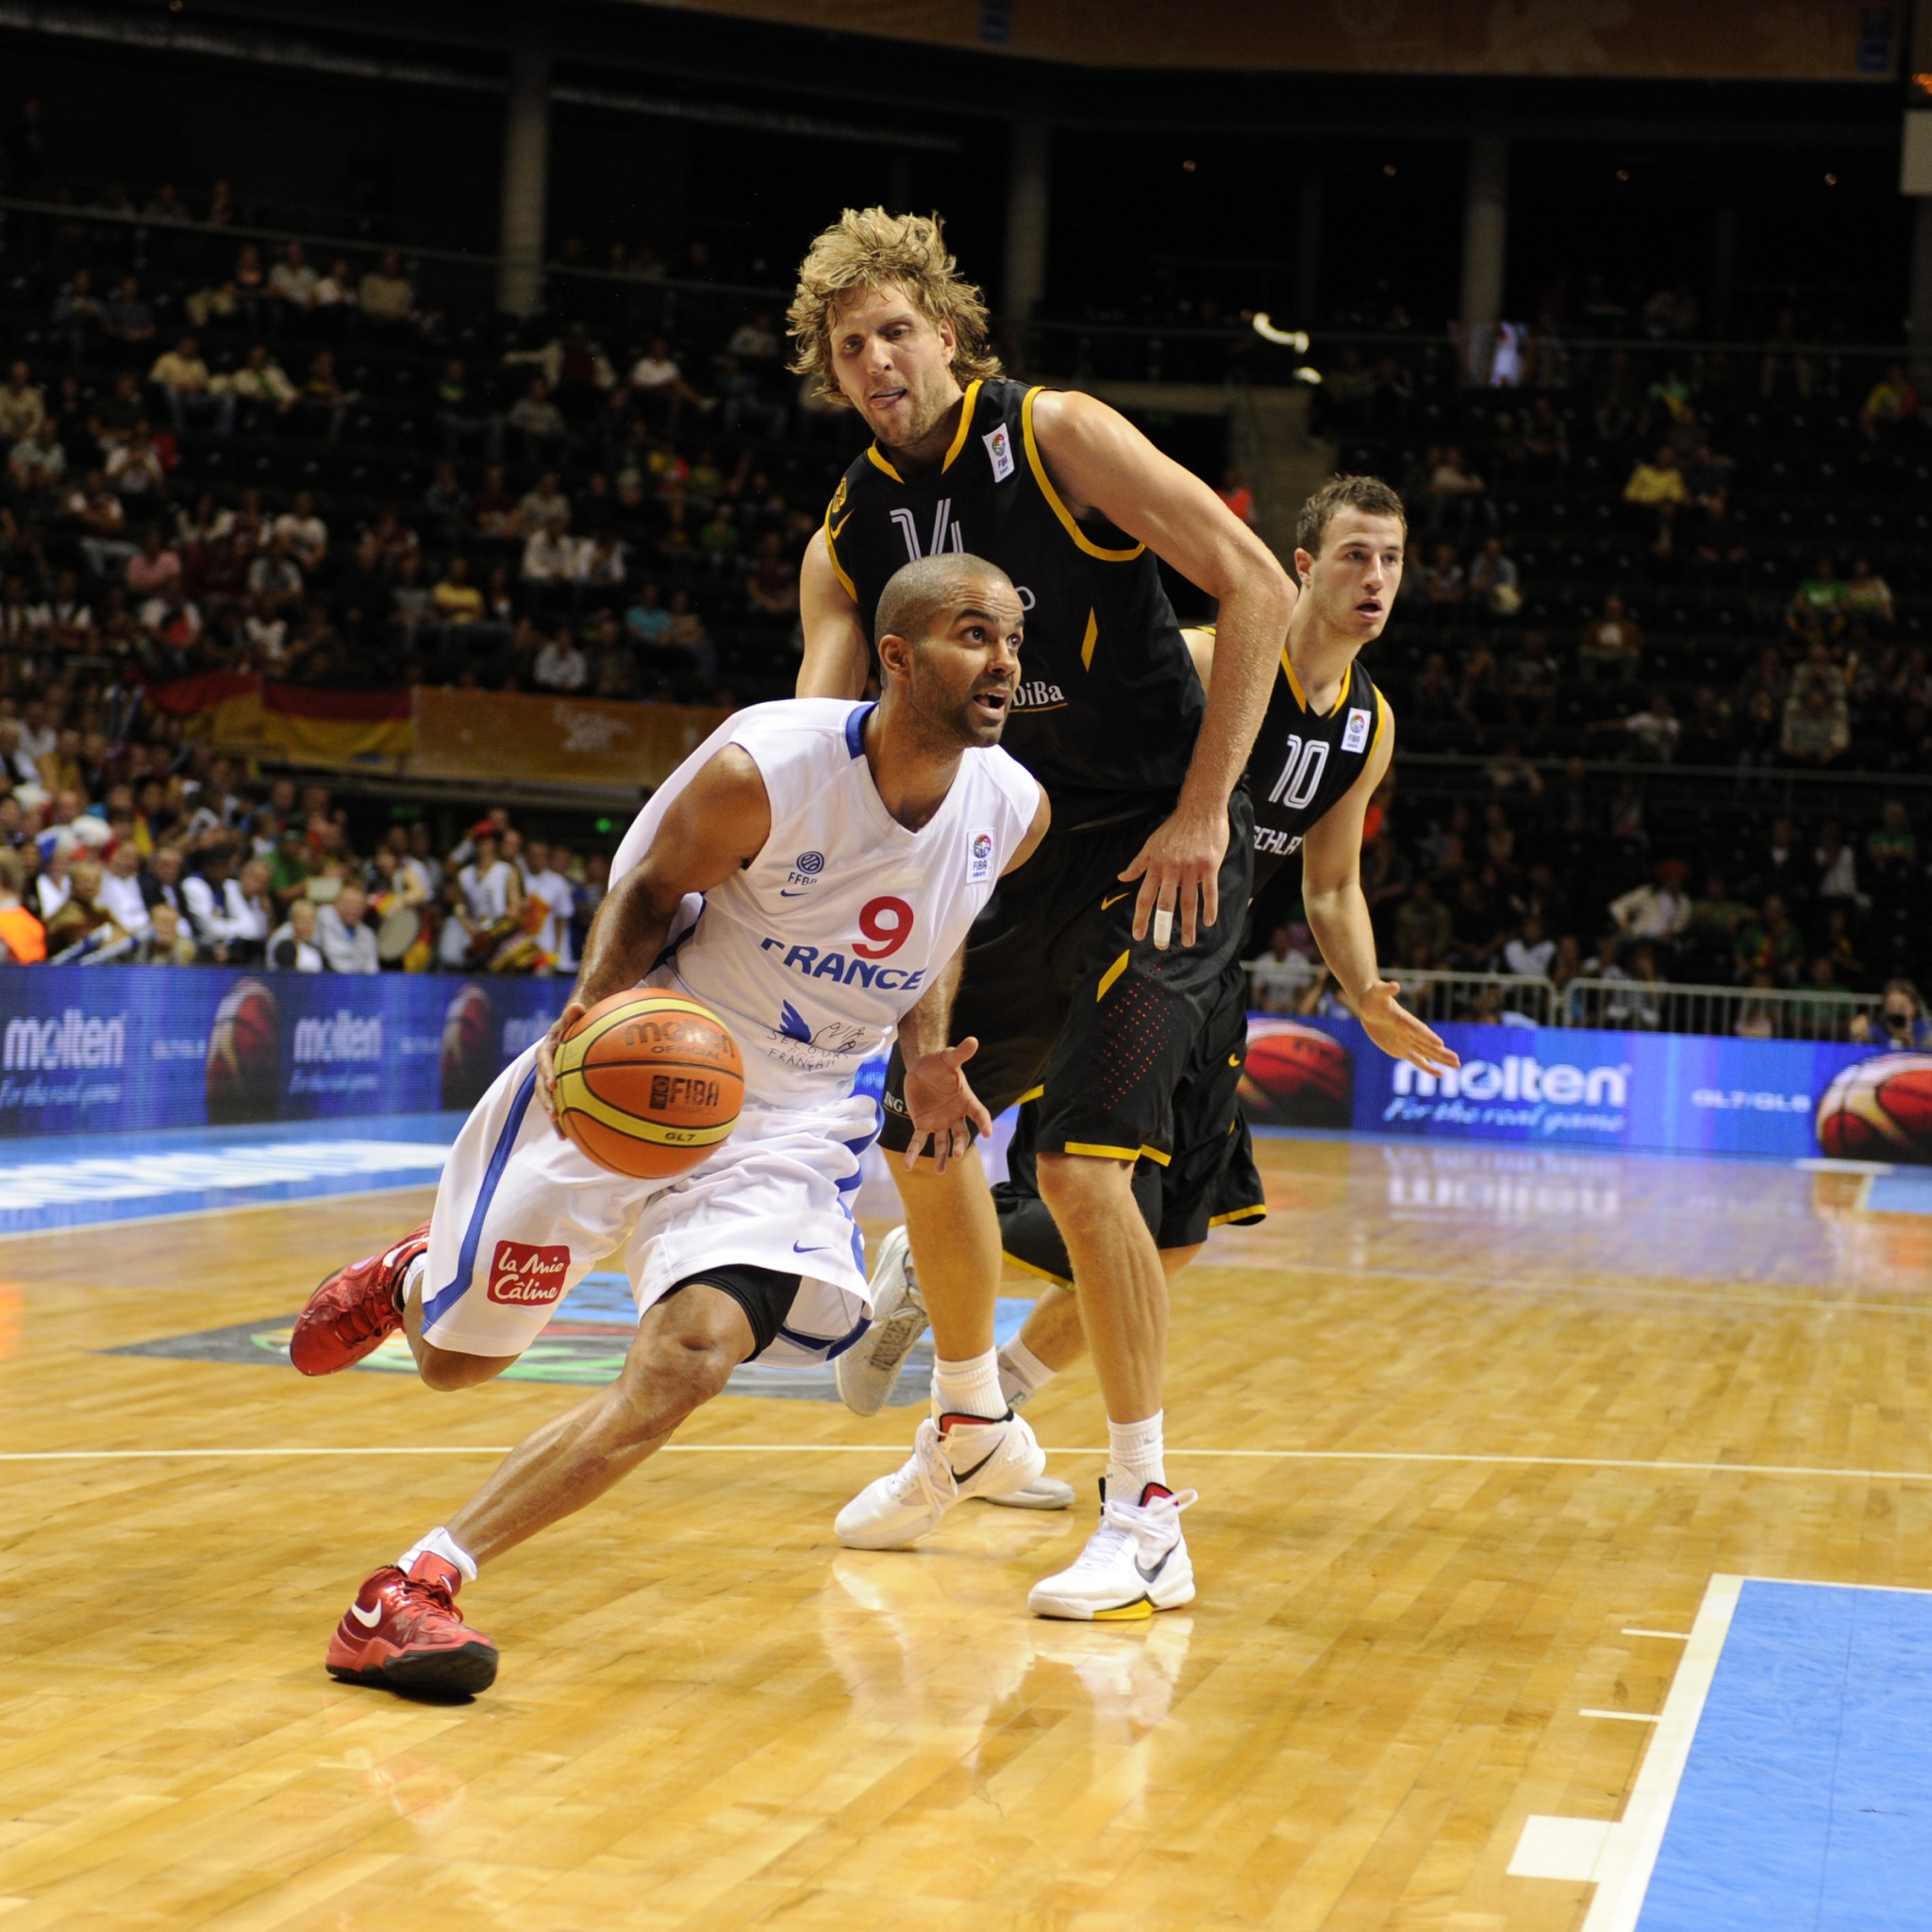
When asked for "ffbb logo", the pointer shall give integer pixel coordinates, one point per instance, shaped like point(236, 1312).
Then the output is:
point(526, 1277)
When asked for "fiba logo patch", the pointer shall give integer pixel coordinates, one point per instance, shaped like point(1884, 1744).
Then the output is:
point(979, 859)
point(524, 1277)
point(999, 449)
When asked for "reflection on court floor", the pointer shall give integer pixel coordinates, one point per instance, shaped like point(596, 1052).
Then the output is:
point(79, 1180)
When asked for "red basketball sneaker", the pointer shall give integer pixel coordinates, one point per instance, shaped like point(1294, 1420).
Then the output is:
point(403, 1633)
point(353, 1311)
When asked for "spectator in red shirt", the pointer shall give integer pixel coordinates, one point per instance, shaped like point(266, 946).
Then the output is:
point(1237, 495)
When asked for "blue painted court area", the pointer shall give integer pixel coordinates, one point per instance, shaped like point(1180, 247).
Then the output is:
point(1905, 1192)
point(82, 1179)
point(1806, 1801)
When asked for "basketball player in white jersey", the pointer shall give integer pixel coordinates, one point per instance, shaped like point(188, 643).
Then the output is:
point(809, 874)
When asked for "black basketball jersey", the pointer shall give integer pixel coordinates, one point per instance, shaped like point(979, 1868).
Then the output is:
point(1108, 706)
point(1305, 760)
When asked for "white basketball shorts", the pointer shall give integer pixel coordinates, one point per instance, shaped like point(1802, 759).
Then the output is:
point(521, 1215)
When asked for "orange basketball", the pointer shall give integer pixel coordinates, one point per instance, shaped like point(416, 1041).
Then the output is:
point(648, 1083)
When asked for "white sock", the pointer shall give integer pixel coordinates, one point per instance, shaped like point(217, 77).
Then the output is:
point(968, 1388)
point(438, 1542)
point(1134, 1457)
point(411, 1275)
point(1022, 1372)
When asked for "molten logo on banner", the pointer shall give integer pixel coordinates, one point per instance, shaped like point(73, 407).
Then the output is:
point(526, 1277)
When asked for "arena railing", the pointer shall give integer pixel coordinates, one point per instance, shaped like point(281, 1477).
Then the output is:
point(1743, 1012)
point(1624, 1005)
point(463, 277)
point(1511, 998)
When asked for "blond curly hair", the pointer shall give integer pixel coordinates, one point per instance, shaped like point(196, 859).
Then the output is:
point(869, 249)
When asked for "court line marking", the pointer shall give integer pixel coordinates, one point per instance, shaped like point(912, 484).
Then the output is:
point(1631, 1851)
point(1619, 1858)
point(1768, 1469)
point(1675, 1636)
point(1626, 1717)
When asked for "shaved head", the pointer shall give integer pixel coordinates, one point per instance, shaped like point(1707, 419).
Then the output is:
point(921, 599)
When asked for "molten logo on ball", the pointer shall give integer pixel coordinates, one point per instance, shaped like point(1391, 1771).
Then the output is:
point(1296, 1076)
point(1879, 1110)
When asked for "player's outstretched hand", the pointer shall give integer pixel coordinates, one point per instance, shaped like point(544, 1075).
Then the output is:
point(1399, 1033)
point(1179, 870)
point(940, 1104)
point(546, 1059)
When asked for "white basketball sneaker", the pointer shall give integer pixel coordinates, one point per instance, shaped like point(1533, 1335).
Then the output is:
point(867, 1371)
point(952, 1458)
point(1134, 1564)
point(1043, 1493)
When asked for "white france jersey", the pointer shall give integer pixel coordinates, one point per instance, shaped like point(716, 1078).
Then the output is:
point(814, 952)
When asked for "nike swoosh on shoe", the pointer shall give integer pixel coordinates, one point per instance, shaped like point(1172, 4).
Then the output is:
point(1148, 1575)
point(368, 1619)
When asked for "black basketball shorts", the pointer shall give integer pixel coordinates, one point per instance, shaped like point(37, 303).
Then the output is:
point(1208, 1180)
point(1062, 999)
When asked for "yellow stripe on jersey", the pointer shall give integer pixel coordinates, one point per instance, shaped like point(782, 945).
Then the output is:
point(1381, 726)
point(1107, 978)
point(965, 424)
point(1092, 638)
point(1053, 495)
point(1295, 685)
point(832, 558)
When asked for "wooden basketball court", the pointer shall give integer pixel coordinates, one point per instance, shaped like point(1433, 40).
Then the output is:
point(1466, 1426)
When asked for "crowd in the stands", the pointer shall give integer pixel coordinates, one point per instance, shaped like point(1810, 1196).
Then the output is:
point(1627, 572)
point(147, 858)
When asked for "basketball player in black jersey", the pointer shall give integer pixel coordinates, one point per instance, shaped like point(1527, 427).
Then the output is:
point(1072, 982)
point(1314, 769)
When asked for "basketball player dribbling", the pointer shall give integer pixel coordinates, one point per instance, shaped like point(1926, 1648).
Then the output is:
point(1324, 746)
point(1072, 981)
point(809, 874)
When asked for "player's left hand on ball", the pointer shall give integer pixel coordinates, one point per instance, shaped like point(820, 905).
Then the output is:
point(1179, 870)
point(1400, 1034)
point(546, 1059)
point(941, 1105)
